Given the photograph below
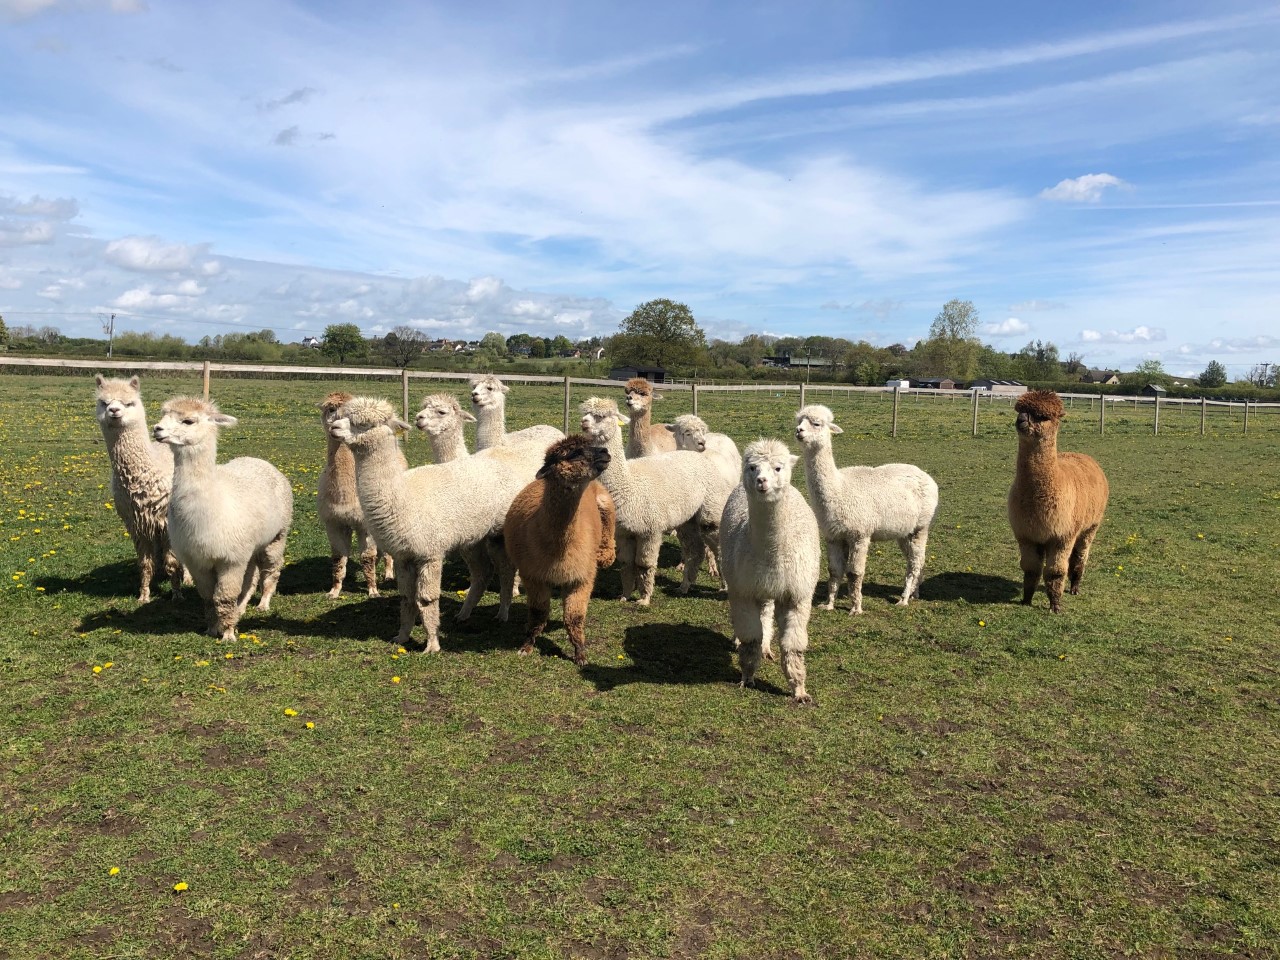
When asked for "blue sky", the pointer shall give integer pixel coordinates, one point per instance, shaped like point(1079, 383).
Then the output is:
point(1104, 176)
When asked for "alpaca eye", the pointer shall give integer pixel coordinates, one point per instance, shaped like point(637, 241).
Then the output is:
point(189, 421)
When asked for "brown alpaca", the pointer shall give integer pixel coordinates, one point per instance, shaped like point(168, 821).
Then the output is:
point(559, 531)
point(646, 437)
point(339, 508)
point(1056, 502)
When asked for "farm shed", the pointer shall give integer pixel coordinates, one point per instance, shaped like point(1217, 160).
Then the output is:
point(1010, 388)
point(651, 373)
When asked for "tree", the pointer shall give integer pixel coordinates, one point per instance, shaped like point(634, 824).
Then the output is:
point(953, 347)
point(1148, 371)
point(1074, 365)
point(343, 340)
point(560, 345)
point(661, 332)
point(538, 348)
point(1263, 374)
point(1039, 361)
point(4, 334)
point(403, 345)
point(1215, 375)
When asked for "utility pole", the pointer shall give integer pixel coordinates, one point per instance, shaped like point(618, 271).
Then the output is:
point(109, 328)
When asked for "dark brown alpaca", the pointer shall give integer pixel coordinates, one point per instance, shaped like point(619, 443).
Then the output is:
point(559, 531)
point(1056, 502)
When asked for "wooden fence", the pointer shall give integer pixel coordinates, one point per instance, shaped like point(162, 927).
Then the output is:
point(805, 392)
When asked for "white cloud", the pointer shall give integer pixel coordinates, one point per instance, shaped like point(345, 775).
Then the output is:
point(143, 299)
point(1140, 334)
point(1012, 327)
point(150, 254)
point(1086, 189)
point(18, 233)
point(63, 208)
point(483, 288)
point(25, 9)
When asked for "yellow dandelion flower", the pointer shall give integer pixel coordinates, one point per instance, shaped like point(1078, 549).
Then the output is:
point(97, 669)
point(982, 623)
point(180, 886)
point(310, 725)
point(395, 679)
point(290, 712)
point(113, 871)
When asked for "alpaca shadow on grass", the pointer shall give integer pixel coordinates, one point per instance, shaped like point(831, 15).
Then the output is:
point(109, 580)
point(672, 653)
point(970, 587)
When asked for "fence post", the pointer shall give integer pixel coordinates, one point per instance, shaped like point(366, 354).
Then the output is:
point(695, 400)
point(566, 405)
point(1246, 416)
point(1157, 421)
point(896, 391)
point(1102, 415)
point(802, 394)
point(1204, 403)
point(206, 381)
point(404, 391)
point(975, 411)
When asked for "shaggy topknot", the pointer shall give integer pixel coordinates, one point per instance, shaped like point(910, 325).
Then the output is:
point(561, 449)
point(766, 447)
point(334, 400)
point(179, 406)
point(368, 411)
point(639, 385)
point(598, 405)
point(1041, 403)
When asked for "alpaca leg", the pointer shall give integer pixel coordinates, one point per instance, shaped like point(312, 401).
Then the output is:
point(647, 566)
point(247, 584)
point(232, 581)
point(480, 567)
point(507, 576)
point(1031, 559)
point(427, 594)
point(857, 568)
point(146, 566)
point(173, 570)
point(206, 580)
point(1056, 555)
point(368, 561)
point(339, 551)
point(835, 571)
point(389, 561)
point(1079, 559)
point(711, 538)
point(767, 623)
point(537, 610)
point(407, 585)
point(691, 549)
point(793, 621)
point(272, 563)
point(575, 619)
point(915, 548)
point(607, 552)
point(746, 615)
point(626, 554)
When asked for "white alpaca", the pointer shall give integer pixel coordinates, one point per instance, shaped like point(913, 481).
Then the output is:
point(857, 505)
point(228, 522)
point(692, 433)
point(645, 437)
point(338, 506)
point(669, 491)
point(489, 403)
point(141, 481)
point(442, 419)
point(770, 549)
point(419, 515)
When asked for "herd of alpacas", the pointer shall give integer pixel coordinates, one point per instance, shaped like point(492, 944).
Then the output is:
point(545, 512)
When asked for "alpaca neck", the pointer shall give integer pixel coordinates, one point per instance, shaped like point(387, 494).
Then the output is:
point(195, 467)
point(560, 507)
point(821, 472)
point(617, 477)
point(447, 446)
point(764, 523)
point(1037, 462)
point(490, 426)
point(638, 437)
point(130, 453)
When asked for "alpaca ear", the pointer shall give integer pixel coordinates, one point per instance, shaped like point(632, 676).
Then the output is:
point(399, 425)
point(224, 420)
point(623, 419)
point(794, 460)
point(468, 417)
point(656, 396)
point(542, 472)
point(134, 381)
point(836, 428)
point(99, 379)
point(505, 388)
point(671, 427)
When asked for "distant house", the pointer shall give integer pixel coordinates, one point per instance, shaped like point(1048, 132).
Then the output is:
point(934, 383)
point(804, 363)
point(898, 384)
point(1010, 388)
point(651, 373)
point(1154, 390)
point(312, 343)
point(1108, 377)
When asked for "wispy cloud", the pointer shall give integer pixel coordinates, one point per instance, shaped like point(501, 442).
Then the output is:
point(1012, 327)
point(1140, 334)
point(1086, 189)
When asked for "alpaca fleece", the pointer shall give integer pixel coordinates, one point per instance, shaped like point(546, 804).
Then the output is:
point(141, 481)
point(559, 532)
point(338, 506)
point(489, 404)
point(1056, 503)
point(771, 552)
point(858, 505)
point(646, 437)
point(227, 522)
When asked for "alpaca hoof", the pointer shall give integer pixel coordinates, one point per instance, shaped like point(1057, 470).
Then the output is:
point(462, 615)
point(1074, 591)
point(264, 603)
point(228, 636)
point(802, 700)
point(373, 592)
point(335, 593)
point(855, 611)
point(747, 684)
point(828, 606)
point(580, 659)
point(144, 598)
point(902, 602)
point(433, 646)
point(642, 602)
point(527, 649)
point(769, 655)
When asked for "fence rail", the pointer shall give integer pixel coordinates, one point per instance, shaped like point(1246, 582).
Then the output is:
point(805, 391)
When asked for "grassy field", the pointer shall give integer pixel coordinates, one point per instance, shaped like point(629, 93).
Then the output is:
point(978, 779)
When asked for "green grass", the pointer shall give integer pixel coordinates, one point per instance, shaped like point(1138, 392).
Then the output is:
point(978, 778)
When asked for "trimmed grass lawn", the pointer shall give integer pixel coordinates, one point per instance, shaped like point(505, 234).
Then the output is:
point(978, 778)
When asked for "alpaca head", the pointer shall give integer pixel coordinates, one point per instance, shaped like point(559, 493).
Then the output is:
point(119, 403)
point(601, 420)
point(1039, 413)
point(766, 469)
point(441, 414)
point(330, 406)
point(361, 420)
point(690, 432)
point(640, 395)
point(190, 422)
point(487, 391)
point(574, 462)
point(815, 424)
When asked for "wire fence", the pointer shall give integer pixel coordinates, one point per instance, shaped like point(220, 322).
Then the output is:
point(877, 410)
